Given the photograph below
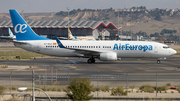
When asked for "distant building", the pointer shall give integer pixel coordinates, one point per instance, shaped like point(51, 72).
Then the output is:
point(97, 29)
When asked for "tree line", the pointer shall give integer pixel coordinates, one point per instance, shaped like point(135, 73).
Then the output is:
point(74, 11)
point(156, 13)
point(165, 34)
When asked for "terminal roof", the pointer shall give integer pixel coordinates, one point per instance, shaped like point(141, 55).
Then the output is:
point(64, 24)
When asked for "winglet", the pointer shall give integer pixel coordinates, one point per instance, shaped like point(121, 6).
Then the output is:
point(59, 43)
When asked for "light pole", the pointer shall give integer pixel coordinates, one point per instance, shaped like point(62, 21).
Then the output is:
point(179, 35)
point(122, 25)
point(127, 81)
point(68, 17)
point(156, 84)
point(131, 24)
point(118, 25)
point(10, 82)
point(33, 86)
point(20, 89)
point(98, 84)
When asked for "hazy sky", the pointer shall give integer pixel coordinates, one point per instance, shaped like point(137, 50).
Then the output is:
point(61, 5)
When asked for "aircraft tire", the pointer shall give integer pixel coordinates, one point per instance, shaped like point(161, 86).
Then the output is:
point(158, 61)
point(89, 61)
point(93, 60)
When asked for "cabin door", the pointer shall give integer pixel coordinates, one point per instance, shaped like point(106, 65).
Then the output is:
point(156, 49)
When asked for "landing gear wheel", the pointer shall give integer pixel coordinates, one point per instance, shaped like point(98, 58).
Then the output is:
point(158, 61)
point(89, 61)
point(93, 60)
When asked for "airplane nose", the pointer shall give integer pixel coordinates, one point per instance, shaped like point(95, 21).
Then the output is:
point(173, 51)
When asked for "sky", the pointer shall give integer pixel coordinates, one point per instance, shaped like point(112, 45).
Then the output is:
point(32, 6)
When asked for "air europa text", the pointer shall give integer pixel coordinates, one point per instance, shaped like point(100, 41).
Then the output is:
point(132, 47)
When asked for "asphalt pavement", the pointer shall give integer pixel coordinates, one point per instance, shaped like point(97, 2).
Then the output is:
point(113, 73)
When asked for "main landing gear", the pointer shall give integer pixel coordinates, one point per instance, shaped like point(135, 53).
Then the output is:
point(91, 60)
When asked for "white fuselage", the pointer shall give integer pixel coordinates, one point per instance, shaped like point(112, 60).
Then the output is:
point(123, 49)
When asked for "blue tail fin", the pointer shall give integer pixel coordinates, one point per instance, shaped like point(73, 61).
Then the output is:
point(22, 30)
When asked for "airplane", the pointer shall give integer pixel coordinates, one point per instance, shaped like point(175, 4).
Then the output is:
point(79, 38)
point(27, 39)
point(11, 35)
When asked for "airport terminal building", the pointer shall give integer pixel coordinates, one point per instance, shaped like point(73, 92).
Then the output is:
point(50, 28)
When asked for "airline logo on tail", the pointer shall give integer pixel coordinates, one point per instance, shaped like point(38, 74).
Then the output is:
point(70, 36)
point(22, 30)
point(19, 28)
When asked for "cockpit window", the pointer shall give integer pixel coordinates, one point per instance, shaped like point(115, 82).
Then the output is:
point(165, 47)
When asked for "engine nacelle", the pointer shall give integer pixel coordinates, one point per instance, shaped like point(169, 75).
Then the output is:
point(108, 56)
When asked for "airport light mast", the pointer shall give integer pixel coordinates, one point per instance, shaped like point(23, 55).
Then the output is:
point(118, 25)
point(68, 17)
point(131, 24)
point(121, 26)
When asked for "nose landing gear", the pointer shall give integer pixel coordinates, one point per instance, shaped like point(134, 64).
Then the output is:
point(158, 61)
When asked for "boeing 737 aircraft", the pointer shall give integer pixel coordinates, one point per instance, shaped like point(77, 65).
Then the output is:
point(11, 35)
point(103, 50)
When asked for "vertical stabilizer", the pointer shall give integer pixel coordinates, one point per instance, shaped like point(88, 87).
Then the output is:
point(70, 36)
point(11, 35)
point(22, 30)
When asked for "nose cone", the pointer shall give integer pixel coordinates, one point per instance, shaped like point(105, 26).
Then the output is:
point(173, 51)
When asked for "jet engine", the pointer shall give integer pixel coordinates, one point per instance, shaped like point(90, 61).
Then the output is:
point(108, 56)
